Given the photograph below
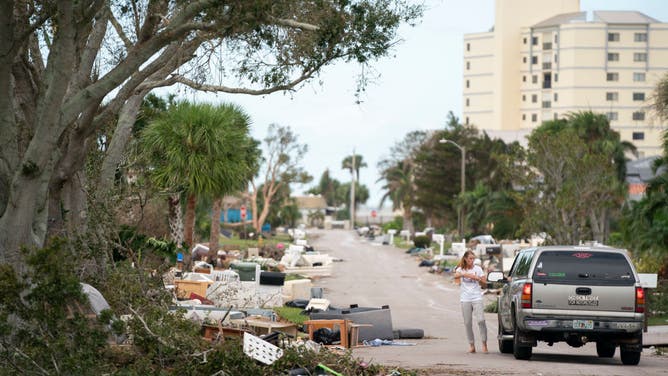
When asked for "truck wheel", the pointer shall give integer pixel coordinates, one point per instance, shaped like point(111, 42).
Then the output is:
point(520, 350)
point(605, 349)
point(505, 345)
point(629, 358)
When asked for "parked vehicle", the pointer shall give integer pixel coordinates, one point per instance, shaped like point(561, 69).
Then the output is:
point(572, 294)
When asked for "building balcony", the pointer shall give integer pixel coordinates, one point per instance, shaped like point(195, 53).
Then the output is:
point(547, 66)
point(547, 46)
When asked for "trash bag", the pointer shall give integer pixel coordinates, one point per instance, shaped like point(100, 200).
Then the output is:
point(297, 303)
point(326, 336)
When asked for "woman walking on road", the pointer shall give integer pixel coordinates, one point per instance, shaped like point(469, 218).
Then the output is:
point(470, 277)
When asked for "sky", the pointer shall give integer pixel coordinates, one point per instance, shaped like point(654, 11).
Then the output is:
point(420, 83)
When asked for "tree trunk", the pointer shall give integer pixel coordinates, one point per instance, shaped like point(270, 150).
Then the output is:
point(175, 219)
point(119, 141)
point(215, 227)
point(190, 221)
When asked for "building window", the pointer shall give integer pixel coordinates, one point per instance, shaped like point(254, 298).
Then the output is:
point(556, 38)
point(613, 37)
point(524, 117)
point(524, 59)
point(534, 41)
point(534, 79)
point(556, 58)
point(556, 77)
point(612, 96)
point(613, 56)
point(468, 46)
point(468, 65)
point(468, 84)
point(547, 104)
point(524, 98)
point(639, 56)
point(612, 77)
point(637, 136)
point(556, 97)
point(534, 59)
point(639, 115)
point(638, 96)
point(524, 40)
point(556, 116)
point(534, 98)
point(640, 37)
point(639, 77)
point(547, 81)
point(467, 102)
point(534, 118)
point(467, 120)
point(524, 78)
point(612, 116)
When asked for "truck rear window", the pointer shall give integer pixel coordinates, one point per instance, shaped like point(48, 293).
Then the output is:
point(584, 267)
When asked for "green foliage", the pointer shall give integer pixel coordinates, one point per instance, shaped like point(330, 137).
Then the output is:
point(292, 314)
point(44, 327)
point(396, 224)
point(492, 307)
point(422, 241)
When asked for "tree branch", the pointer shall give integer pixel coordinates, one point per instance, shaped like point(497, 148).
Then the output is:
point(148, 330)
point(293, 23)
point(119, 30)
point(237, 90)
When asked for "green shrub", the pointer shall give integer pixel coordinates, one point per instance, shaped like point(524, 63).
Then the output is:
point(492, 307)
point(422, 241)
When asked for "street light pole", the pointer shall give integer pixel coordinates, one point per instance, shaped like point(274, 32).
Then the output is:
point(460, 212)
point(352, 193)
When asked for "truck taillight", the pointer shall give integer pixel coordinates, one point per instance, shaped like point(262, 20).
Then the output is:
point(526, 295)
point(640, 300)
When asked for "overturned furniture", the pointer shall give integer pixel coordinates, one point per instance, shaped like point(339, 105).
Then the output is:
point(379, 319)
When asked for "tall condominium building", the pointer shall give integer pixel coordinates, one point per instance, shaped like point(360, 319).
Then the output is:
point(544, 59)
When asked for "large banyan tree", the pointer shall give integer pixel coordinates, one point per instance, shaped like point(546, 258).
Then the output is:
point(68, 68)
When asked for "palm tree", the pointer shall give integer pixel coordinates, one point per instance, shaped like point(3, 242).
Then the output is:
point(400, 188)
point(200, 149)
point(347, 164)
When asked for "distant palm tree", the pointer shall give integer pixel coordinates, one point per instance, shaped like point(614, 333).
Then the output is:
point(201, 149)
point(347, 164)
point(400, 188)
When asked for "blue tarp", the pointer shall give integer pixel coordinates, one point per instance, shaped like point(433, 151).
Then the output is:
point(234, 215)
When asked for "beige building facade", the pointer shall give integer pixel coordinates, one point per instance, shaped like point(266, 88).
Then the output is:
point(544, 59)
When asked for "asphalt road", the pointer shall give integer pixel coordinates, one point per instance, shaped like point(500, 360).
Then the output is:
point(374, 275)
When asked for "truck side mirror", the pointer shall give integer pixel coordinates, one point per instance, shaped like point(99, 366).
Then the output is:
point(495, 277)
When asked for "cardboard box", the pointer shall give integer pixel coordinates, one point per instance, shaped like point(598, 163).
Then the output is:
point(185, 287)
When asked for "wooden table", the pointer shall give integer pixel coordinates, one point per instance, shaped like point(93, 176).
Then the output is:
point(263, 325)
point(355, 333)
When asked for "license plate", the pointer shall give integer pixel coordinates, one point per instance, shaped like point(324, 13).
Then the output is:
point(583, 324)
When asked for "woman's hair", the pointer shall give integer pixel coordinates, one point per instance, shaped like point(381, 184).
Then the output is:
point(462, 261)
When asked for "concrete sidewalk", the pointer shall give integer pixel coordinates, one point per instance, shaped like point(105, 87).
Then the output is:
point(656, 335)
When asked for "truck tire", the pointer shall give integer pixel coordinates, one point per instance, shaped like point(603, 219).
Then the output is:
point(520, 351)
point(505, 345)
point(605, 349)
point(629, 358)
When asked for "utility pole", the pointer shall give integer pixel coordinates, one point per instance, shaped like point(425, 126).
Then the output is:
point(352, 193)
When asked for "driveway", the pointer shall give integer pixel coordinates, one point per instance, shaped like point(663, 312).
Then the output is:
point(374, 275)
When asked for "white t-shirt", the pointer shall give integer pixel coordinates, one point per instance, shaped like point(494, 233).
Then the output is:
point(469, 289)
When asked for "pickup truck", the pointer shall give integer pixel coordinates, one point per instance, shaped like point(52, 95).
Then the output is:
point(572, 294)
